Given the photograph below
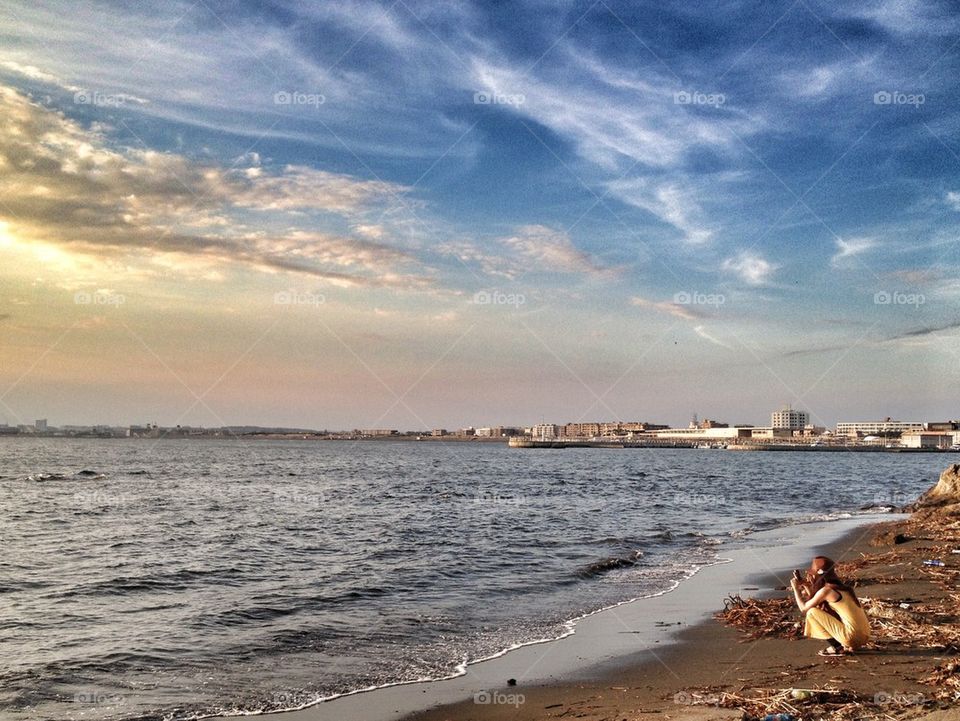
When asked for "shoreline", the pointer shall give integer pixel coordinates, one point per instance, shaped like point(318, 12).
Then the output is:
point(601, 646)
point(714, 671)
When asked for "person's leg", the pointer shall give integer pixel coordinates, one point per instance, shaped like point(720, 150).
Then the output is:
point(822, 625)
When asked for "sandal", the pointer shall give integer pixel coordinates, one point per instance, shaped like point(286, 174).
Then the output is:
point(832, 651)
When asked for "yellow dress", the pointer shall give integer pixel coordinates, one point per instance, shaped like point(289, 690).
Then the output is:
point(852, 628)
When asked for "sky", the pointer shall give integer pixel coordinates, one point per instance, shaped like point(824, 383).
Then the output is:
point(438, 214)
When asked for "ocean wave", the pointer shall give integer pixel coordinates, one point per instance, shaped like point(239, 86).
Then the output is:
point(41, 476)
point(605, 565)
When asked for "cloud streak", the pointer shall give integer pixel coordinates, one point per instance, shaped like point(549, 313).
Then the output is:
point(65, 185)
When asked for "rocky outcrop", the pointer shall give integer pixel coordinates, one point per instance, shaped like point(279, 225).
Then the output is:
point(943, 497)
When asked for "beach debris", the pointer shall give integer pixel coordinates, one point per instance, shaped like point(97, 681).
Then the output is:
point(934, 562)
point(759, 618)
point(836, 704)
point(946, 677)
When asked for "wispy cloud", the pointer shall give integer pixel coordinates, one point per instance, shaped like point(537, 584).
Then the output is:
point(678, 310)
point(530, 249)
point(64, 185)
point(703, 333)
point(750, 267)
point(850, 248)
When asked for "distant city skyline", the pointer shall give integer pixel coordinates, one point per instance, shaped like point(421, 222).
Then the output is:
point(418, 215)
point(702, 421)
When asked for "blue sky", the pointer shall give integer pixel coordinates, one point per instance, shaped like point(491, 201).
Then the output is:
point(665, 208)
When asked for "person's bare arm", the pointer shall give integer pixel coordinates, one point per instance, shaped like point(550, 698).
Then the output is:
point(805, 604)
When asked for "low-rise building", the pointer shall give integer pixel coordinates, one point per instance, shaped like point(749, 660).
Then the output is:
point(885, 427)
point(545, 430)
point(927, 439)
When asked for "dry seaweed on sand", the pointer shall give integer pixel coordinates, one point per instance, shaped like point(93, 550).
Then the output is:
point(761, 617)
point(946, 677)
point(830, 703)
point(923, 625)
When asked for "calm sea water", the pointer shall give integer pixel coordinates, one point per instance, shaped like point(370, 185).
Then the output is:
point(173, 579)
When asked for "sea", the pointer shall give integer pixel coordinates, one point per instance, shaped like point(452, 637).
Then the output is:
point(181, 579)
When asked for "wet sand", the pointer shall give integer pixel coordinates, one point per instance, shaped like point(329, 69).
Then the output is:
point(712, 658)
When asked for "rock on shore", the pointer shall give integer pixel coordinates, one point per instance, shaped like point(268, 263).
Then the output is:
point(943, 497)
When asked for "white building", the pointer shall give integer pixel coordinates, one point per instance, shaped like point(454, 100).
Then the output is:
point(876, 428)
point(545, 430)
point(927, 439)
point(789, 418)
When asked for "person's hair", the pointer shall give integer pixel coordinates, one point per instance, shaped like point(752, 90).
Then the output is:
point(824, 573)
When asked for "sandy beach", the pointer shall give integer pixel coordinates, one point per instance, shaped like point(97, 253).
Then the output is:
point(707, 669)
point(888, 679)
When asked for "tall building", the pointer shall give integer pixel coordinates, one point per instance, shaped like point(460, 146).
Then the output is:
point(40, 425)
point(789, 418)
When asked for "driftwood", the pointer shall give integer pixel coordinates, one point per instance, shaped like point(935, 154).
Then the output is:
point(758, 618)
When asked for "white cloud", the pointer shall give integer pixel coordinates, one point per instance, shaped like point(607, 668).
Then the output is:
point(669, 202)
point(702, 332)
point(551, 249)
point(953, 200)
point(752, 268)
point(851, 248)
point(687, 312)
point(67, 191)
